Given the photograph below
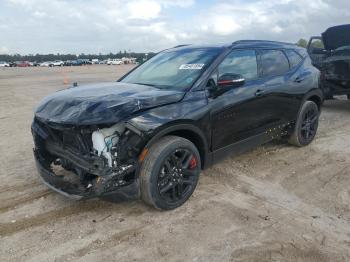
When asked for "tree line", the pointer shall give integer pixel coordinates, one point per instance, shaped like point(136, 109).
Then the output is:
point(140, 57)
point(51, 57)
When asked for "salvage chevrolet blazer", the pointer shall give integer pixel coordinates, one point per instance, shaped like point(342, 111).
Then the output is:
point(172, 116)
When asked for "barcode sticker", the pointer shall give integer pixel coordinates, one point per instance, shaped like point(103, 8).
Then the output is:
point(191, 66)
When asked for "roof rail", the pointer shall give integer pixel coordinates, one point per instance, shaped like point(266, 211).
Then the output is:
point(180, 46)
point(260, 41)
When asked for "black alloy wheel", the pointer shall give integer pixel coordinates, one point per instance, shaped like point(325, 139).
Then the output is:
point(177, 175)
point(169, 173)
point(309, 124)
point(306, 125)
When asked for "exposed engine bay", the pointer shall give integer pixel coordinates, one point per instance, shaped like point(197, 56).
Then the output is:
point(94, 159)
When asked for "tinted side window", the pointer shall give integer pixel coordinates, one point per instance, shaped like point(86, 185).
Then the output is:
point(293, 57)
point(241, 62)
point(273, 63)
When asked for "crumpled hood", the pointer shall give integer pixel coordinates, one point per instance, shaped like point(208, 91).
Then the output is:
point(337, 36)
point(102, 103)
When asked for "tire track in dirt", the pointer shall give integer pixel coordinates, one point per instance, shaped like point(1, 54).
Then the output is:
point(98, 244)
point(7, 229)
point(271, 251)
point(8, 205)
point(79, 208)
point(276, 196)
point(19, 188)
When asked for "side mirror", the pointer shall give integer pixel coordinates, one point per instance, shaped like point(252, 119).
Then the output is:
point(230, 81)
point(227, 82)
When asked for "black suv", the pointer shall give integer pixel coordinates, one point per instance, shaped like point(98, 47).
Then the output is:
point(172, 116)
point(331, 54)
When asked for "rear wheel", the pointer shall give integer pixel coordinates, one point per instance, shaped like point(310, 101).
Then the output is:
point(169, 172)
point(306, 125)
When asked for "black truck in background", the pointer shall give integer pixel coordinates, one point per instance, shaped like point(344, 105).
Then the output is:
point(330, 53)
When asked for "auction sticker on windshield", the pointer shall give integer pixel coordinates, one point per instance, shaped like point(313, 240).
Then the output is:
point(191, 66)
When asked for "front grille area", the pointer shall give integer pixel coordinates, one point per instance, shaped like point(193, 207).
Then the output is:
point(76, 139)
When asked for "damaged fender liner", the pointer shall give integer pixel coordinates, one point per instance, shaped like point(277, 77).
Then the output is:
point(102, 185)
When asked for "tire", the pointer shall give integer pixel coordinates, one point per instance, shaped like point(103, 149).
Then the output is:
point(306, 126)
point(169, 173)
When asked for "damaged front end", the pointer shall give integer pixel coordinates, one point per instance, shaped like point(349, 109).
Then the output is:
point(86, 161)
point(335, 72)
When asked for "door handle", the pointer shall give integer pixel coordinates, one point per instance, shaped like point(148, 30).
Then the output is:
point(299, 79)
point(259, 92)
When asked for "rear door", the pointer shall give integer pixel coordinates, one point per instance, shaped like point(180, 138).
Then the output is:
point(280, 92)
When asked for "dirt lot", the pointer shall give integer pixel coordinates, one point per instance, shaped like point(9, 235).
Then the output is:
point(276, 203)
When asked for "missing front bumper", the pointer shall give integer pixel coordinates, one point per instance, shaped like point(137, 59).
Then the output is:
point(97, 187)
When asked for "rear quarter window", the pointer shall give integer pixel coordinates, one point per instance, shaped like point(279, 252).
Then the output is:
point(293, 57)
point(273, 63)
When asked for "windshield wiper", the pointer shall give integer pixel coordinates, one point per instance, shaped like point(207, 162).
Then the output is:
point(156, 86)
point(145, 84)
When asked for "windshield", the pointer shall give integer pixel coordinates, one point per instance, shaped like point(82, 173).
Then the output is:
point(173, 69)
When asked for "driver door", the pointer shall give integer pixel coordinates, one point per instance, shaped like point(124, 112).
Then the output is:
point(237, 114)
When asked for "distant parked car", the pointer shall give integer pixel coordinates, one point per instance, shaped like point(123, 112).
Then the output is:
point(46, 64)
point(68, 63)
point(77, 62)
point(114, 62)
point(4, 64)
point(52, 63)
point(57, 63)
point(95, 61)
point(80, 62)
point(23, 64)
point(86, 62)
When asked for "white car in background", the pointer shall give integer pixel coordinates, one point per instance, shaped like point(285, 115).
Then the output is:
point(47, 63)
point(95, 61)
point(57, 63)
point(114, 62)
point(52, 63)
point(4, 64)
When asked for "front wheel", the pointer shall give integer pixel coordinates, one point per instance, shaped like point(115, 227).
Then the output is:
point(169, 172)
point(306, 125)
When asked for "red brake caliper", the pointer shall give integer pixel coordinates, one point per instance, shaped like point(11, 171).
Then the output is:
point(193, 163)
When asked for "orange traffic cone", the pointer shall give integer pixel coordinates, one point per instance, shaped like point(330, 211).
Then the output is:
point(65, 81)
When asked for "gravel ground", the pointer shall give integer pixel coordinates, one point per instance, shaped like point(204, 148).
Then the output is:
point(276, 203)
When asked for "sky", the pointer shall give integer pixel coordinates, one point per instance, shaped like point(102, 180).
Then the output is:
point(104, 26)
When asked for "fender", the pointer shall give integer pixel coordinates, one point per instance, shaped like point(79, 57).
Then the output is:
point(314, 93)
point(185, 130)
